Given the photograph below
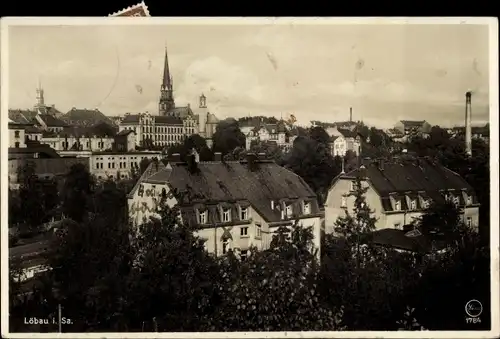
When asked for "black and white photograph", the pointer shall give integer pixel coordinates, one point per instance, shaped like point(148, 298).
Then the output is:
point(244, 177)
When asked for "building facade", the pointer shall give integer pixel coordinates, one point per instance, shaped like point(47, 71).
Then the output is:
point(17, 137)
point(236, 204)
point(343, 141)
point(118, 165)
point(413, 127)
point(173, 123)
point(261, 132)
point(399, 191)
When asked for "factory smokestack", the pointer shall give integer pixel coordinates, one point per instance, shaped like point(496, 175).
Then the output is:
point(468, 131)
point(350, 114)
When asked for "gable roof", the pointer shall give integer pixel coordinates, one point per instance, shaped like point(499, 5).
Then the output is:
point(399, 239)
point(412, 123)
point(153, 168)
point(404, 176)
point(125, 132)
point(22, 116)
point(216, 182)
point(52, 121)
point(51, 110)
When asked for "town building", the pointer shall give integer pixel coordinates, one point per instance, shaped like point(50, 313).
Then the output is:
point(477, 132)
point(407, 127)
point(343, 141)
point(17, 137)
point(235, 204)
point(258, 131)
point(173, 123)
point(399, 190)
point(78, 139)
point(118, 165)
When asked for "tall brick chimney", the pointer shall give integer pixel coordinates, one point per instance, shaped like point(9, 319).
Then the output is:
point(468, 132)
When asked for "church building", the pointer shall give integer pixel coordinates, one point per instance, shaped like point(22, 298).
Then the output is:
point(173, 123)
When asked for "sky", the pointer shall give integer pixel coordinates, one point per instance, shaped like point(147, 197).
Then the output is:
point(316, 72)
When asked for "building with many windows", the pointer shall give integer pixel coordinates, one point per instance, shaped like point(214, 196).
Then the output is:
point(398, 191)
point(173, 123)
point(118, 165)
point(236, 204)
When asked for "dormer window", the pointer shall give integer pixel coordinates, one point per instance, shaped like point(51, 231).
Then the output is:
point(456, 200)
point(469, 200)
point(226, 215)
point(288, 210)
point(307, 207)
point(413, 204)
point(225, 246)
point(397, 205)
point(203, 217)
point(244, 213)
point(426, 203)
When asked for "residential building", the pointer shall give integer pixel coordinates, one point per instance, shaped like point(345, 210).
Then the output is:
point(17, 138)
point(277, 133)
point(235, 204)
point(413, 127)
point(118, 165)
point(344, 140)
point(477, 132)
point(125, 141)
point(399, 190)
point(78, 138)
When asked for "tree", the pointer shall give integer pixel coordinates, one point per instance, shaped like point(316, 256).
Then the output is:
point(31, 202)
point(227, 137)
point(313, 162)
point(173, 275)
point(78, 185)
point(441, 221)
point(319, 135)
point(274, 290)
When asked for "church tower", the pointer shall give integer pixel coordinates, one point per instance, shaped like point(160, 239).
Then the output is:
point(40, 102)
point(167, 103)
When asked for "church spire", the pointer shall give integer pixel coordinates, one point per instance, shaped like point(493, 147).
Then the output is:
point(40, 102)
point(166, 91)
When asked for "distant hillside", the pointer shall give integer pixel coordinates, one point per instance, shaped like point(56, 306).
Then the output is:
point(85, 117)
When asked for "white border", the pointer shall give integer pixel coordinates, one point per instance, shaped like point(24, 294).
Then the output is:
point(494, 111)
point(130, 8)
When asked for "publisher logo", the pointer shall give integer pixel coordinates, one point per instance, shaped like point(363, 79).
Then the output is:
point(473, 309)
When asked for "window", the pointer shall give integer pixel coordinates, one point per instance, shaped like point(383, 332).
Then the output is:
point(343, 202)
point(226, 215)
point(109, 165)
point(469, 200)
point(16, 144)
point(244, 213)
point(469, 222)
point(244, 231)
point(243, 255)
point(288, 211)
point(203, 217)
point(307, 207)
point(258, 230)
point(397, 225)
point(413, 204)
point(426, 203)
point(353, 186)
point(16, 134)
point(397, 205)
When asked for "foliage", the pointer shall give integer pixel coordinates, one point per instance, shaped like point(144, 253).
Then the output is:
point(227, 137)
point(78, 186)
point(274, 290)
point(441, 221)
point(196, 142)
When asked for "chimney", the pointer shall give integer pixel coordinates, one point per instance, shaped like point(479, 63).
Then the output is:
point(468, 112)
point(350, 114)
point(217, 156)
point(251, 160)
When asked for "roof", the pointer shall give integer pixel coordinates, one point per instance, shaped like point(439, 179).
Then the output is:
point(52, 121)
point(51, 110)
point(45, 149)
point(231, 181)
point(401, 176)
point(22, 116)
point(28, 250)
point(168, 120)
point(347, 133)
point(153, 168)
point(125, 132)
point(412, 123)
point(212, 119)
point(86, 117)
point(33, 129)
point(400, 239)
